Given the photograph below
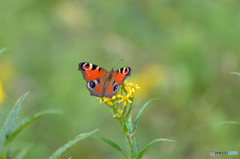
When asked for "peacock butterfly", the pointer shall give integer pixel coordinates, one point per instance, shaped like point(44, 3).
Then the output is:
point(101, 83)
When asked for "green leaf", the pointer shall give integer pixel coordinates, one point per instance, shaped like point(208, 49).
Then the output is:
point(11, 128)
point(109, 142)
point(137, 120)
point(132, 134)
point(131, 108)
point(124, 128)
point(129, 125)
point(154, 141)
point(135, 150)
point(70, 144)
point(229, 122)
point(127, 144)
point(10, 123)
point(236, 73)
point(27, 121)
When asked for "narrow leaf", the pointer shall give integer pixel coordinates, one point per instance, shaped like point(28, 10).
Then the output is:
point(27, 121)
point(154, 141)
point(70, 144)
point(127, 144)
point(135, 150)
point(236, 73)
point(131, 108)
point(11, 123)
point(129, 125)
point(109, 142)
point(229, 122)
point(137, 120)
point(124, 128)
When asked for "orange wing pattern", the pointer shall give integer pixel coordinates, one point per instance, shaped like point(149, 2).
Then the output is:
point(99, 89)
point(90, 71)
point(93, 74)
point(121, 74)
point(109, 88)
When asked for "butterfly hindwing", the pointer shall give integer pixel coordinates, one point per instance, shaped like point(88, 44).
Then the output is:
point(93, 74)
point(96, 88)
point(111, 88)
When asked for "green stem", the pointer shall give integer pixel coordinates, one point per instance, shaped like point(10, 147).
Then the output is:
point(130, 146)
point(129, 109)
point(128, 138)
point(124, 110)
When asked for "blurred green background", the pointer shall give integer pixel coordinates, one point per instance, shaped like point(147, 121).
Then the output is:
point(179, 51)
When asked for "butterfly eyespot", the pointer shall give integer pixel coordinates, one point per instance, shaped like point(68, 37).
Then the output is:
point(92, 84)
point(115, 88)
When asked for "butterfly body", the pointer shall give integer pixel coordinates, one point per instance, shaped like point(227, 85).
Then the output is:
point(101, 83)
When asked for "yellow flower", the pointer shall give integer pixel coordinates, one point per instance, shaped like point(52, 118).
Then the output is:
point(125, 99)
point(131, 94)
point(133, 87)
point(119, 96)
point(101, 99)
point(127, 88)
point(108, 101)
point(115, 96)
point(1, 93)
point(124, 84)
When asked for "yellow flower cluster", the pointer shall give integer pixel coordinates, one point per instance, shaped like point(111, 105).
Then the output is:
point(120, 100)
point(128, 88)
point(119, 114)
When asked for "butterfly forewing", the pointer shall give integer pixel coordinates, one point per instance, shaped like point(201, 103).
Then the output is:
point(94, 75)
point(91, 71)
point(121, 74)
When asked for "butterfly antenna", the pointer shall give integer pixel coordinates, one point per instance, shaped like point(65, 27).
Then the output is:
point(118, 62)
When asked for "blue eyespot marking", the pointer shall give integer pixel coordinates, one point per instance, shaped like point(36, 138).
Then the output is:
point(92, 84)
point(115, 87)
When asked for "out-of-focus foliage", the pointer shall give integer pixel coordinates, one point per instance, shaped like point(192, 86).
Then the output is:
point(1, 93)
point(179, 51)
point(57, 154)
point(12, 128)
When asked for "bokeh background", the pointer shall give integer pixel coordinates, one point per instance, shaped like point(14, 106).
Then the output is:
point(179, 51)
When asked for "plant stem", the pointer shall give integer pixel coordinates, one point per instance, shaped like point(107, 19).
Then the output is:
point(128, 138)
point(130, 146)
point(129, 109)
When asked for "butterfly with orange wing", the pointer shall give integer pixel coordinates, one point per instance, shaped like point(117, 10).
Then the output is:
point(101, 83)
